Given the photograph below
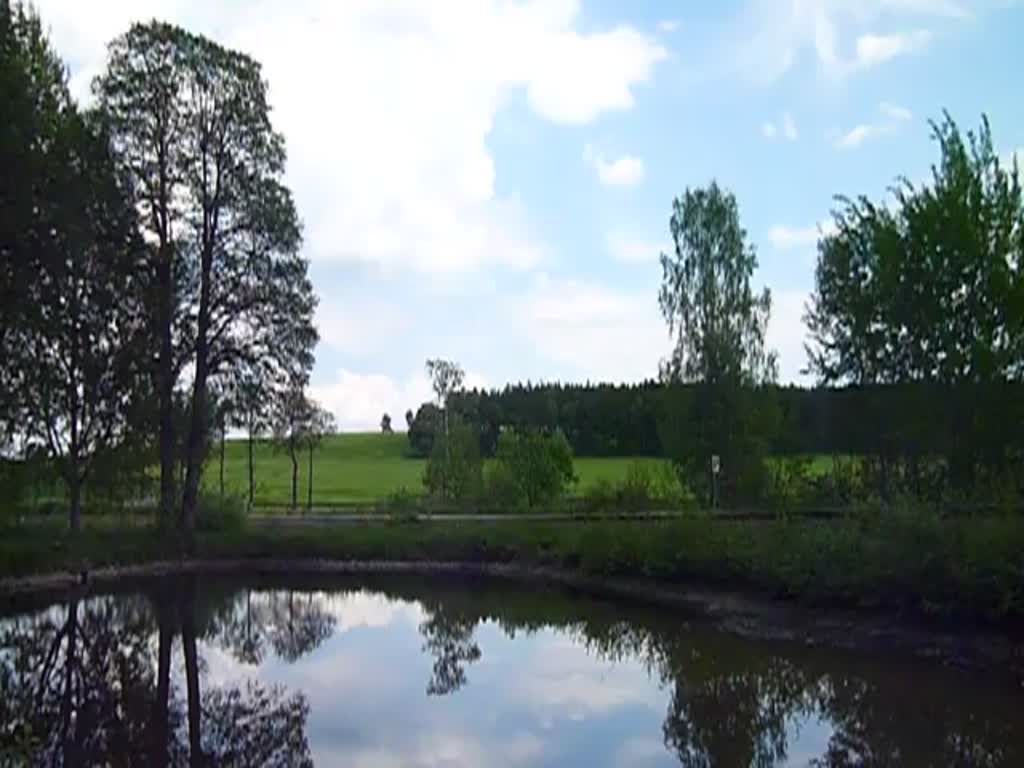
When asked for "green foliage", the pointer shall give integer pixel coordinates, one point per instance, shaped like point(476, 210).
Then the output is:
point(928, 295)
point(402, 505)
point(422, 428)
point(534, 465)
point(719, 327)
point(220, 514)
point(230, 283)
point(454, 471)
point(645, 487)
point(909, 560)
point(502, 488)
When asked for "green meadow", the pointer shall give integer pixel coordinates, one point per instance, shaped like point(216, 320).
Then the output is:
point(364, 468)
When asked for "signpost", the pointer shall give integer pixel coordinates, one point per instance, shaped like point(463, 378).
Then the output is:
point(716, 467)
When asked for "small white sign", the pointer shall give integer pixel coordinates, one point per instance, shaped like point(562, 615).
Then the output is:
point(716, 464)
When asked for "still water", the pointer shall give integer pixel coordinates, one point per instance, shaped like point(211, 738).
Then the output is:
point(417, 672)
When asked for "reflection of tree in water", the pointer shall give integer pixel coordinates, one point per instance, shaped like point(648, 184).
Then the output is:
point(730, 708)
point(292, 623)
point(910, 721)
point(449, 638)
point(91, 683)
point(80, 686)
point(733, 702)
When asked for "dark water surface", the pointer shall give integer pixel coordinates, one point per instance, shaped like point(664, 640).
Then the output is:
point(420, 672)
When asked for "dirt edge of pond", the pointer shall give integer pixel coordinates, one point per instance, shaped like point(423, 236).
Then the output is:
point(759, 618)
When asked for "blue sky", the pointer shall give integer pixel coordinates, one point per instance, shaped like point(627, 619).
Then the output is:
point(491, 180)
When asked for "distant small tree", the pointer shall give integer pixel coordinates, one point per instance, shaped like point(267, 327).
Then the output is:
point(292, 418)
point(536, 464)
point(446, 377)
point(320, 425)
point(385, 424)
point(455, 470)
point(423, 428)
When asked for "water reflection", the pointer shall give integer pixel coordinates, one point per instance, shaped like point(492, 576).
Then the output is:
point(428, 673)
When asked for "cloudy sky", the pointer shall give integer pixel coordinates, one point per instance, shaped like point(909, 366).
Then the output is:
point(491, 180)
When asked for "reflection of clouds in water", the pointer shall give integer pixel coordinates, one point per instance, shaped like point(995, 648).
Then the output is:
point(444, 750)
point(561, 679)
point(354, 610)
point(366, 690)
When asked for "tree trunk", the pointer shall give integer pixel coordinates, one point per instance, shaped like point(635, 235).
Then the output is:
point(295, 478)
point(252, 476)
point(74, 483)
point(165, 386)
point(69, 737)
point(163, 689)
point(198, 427)
point(188, 642)
point(309, 500)
point(223, 436)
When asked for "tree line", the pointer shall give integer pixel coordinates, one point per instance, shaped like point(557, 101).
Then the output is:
point(915, 338)
point(153, 291)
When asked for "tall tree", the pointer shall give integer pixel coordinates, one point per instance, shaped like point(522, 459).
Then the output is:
point(446, 377)
point(928, 295)
point(80, 310)
point(192, 124)
point(718, 326)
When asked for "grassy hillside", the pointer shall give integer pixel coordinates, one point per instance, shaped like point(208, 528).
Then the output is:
point(354, 468)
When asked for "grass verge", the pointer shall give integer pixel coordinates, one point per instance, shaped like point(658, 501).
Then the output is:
point(957, 569)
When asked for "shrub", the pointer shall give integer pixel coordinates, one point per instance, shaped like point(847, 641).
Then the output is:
point(402, 505)
point(538, 463)
point(455, 470)
point(216, 514)
point(502, 489)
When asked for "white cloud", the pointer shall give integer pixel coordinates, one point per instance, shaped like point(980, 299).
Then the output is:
point(840, 35)
point(895, 112)
point(856, 136)
point(625, 171)
point(668, 25)
point(786, 128)
point(633, 250)
point(786, 238)
point(388, 146)
point(789, 127)
point(585, 330)
point(873, 50)
point(359, 326)
point(787, 334)
point(358, 400)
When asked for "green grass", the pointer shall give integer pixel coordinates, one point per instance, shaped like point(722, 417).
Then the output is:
point(357, 468)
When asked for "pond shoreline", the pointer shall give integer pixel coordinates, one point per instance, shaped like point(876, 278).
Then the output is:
point(745, 614)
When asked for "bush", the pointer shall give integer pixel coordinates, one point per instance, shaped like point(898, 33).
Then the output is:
point(536, 464)
point(646, 487)
point(402, 505)
point(455, 470)
point(789, 483)
point(502, 489)
point(216, 514)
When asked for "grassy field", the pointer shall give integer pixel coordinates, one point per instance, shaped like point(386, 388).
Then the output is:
point(363, 468)
point(356, 468)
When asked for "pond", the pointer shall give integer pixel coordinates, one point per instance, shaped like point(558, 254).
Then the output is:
point(389, 671)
